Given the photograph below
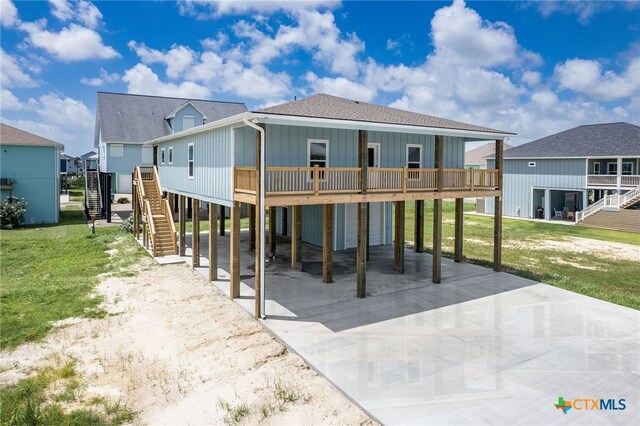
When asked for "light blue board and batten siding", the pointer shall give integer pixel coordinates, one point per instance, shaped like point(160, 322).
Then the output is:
point(213, 167)
point(35, 172)
point(519, 180)
point(177, 122)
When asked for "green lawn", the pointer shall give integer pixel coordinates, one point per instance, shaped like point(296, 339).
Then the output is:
point(76, 195)
point(48, 273)
point(607, 279)
point(204, 224)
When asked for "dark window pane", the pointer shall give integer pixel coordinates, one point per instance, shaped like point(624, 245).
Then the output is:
point(318, 151)
point(413, 166)
point(414, 154)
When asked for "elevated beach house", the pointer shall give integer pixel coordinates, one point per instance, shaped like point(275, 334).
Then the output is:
point(124, 122)
point(30, 169)
point(589, 174)
point(332, 172)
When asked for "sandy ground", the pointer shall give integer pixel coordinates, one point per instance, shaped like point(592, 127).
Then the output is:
point(173, 347)
point(604, 249)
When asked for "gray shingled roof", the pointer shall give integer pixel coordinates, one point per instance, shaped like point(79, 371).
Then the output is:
point(140, 118)
point(593, 140)
point(477, 156)
point(322, 105)
point(10, 135)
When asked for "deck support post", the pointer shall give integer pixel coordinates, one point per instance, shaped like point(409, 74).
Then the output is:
point(363, 163)
point(459, 230)
point(258, 278)
point(327, 243)
point(195, 234)
point(361, 251)
point(213, 243)
point(222, 220)
point(189, 208)
point(182, 225)
point(252, 225)
point(437, 211)
point(497, 213)
point(398, 242)
point(296, 237)
point(234, 279)
point(272, 232)
point(418, 228)
point(136, 214)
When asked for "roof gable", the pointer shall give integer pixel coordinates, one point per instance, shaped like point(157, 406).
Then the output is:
point(139, 118)
point(10, 135)
point(592, 140)
point(181, 107)
point(322, 105)
point(478, 155)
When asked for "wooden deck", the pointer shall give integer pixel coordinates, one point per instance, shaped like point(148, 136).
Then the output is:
point(318, 185)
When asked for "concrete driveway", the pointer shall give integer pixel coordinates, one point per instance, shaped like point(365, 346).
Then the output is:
point(479, 348)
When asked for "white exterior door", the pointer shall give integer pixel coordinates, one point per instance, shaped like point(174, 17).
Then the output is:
point(376, 224)
point(124, 186)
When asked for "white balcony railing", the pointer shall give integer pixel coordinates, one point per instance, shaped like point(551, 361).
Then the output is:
point(611, 181)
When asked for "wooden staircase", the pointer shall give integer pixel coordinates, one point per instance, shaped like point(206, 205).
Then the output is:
point(159, 232)
point(626, 220)
point(92, 201)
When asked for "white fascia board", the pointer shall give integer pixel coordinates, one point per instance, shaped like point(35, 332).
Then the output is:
point(371, 126)
point(591, 157)
point(234, 119)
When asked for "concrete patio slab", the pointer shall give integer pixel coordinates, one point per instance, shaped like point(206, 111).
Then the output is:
point(479, 348)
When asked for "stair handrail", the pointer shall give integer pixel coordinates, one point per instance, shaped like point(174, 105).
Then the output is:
point(629, 196)
point(151, 227)
point(593, 208)
point(165, 208)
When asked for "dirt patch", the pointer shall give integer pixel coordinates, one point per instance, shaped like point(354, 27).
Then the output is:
point(602, 249)
point(561, 261)
point(176, 350)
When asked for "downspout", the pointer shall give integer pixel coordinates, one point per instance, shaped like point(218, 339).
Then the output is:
point(262, 219)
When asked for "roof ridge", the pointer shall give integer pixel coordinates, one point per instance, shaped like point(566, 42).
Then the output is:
point(168, 97)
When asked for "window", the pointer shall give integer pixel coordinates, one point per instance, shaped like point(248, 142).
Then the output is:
point(170, 155)
point(317, 154)
point(117, 150)
point(414, 160)
point(162, 156)
point(596, 168)
point(188, 121)
point(612, 168)
point(532, 163)
point(190, 156)
point(627, 168)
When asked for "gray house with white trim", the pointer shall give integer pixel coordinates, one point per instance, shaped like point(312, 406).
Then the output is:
point(125, 121)
point(558, 175)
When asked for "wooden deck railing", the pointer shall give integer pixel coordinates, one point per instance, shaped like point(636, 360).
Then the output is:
point(335, 180)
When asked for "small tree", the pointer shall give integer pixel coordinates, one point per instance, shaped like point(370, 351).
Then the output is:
point(12, 212)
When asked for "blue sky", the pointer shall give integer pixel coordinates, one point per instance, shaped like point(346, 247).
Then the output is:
point(529, 67)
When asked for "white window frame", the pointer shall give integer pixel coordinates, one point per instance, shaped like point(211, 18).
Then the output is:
point(412, 175)
point(629, 163)
point(376, 147)
point(118, 145)
point(615, 168)
point(161, 155)
point(596, 168)
point(192, 117)
point(170, 155)
point(191, 163)
point(532, 163)
point(326, 161)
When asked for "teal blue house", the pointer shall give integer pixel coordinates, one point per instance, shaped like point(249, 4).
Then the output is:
point(30, 169)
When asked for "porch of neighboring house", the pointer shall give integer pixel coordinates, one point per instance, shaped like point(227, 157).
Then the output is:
point(558, 204)
point(295, 187)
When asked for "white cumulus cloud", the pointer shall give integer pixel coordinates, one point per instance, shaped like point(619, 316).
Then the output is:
point(8, 14)
point(11, 74)
point(340, 86)
point(586, 77)
point(142, 80)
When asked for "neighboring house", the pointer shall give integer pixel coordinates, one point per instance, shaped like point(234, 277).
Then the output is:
point(477, 158)
point(90, 156)
point(65, 163)
point(30, 169)
point(566, 172)
point(328, 159)
point(124, 122)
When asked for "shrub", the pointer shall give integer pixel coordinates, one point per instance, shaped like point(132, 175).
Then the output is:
point(123, 200)
point(12, 212)
point(127, 225)
point(76, 182)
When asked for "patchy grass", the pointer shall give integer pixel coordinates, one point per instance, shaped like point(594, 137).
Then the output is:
point(48, 274)
point(204, 224)
point(40, 399)
point(76, 195)
point(613, 280)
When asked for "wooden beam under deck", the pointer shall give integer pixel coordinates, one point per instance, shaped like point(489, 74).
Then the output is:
point(296, 236)
point(195, 234)
point(459, 230)
point(213, 243)
point(274, 200)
